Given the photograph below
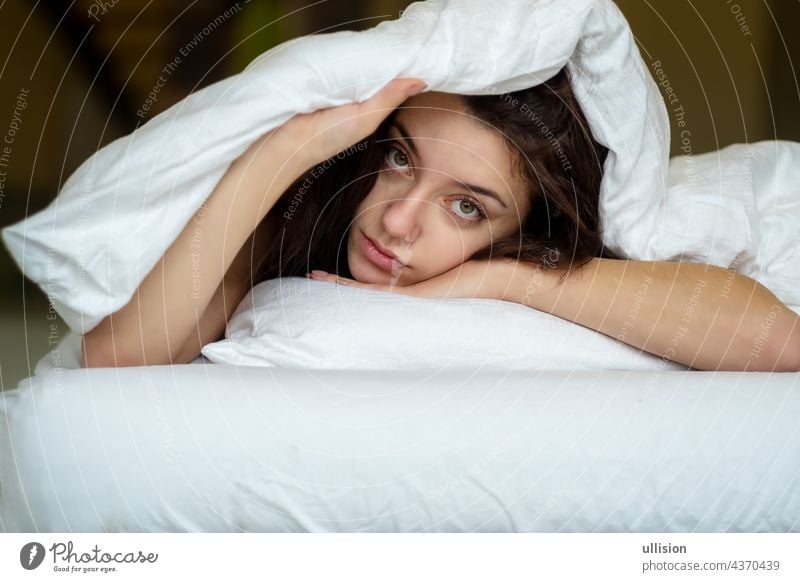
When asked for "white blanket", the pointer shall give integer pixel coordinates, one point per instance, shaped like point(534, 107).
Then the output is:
point(211, 448)
point(118, 213)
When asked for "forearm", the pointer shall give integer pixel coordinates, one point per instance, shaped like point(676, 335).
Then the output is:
point(698, 315)
point(163, 314)
point(210, 326)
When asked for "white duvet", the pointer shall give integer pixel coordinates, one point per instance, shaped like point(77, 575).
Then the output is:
point(233, 448)
point(118, 213)
point(218, 448)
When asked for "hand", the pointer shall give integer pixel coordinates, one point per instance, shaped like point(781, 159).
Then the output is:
point(486, 279)
point(321, 134)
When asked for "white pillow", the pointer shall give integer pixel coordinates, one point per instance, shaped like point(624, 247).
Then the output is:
point(303, 323)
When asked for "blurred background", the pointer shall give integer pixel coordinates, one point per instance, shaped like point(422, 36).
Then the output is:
point(85, 68)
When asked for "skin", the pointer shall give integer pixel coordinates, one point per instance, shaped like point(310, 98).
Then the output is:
point(419, 208)
point(702, 316)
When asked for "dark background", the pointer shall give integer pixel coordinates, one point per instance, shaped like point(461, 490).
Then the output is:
point(86, 78)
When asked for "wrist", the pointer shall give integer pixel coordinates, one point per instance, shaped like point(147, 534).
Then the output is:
point(280, 151)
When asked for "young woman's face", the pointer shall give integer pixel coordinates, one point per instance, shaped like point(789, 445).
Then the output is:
point(445, 190)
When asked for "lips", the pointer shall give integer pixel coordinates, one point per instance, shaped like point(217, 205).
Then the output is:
point(386, 252)
point(379, 256)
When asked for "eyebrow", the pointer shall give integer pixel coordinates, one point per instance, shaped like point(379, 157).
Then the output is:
point(477, 189)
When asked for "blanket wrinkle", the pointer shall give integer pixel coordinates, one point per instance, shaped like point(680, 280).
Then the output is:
point(130, 200)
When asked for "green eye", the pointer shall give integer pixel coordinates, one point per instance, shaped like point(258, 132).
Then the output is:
point(399, 157)
point(466, 206)
point(468, 211)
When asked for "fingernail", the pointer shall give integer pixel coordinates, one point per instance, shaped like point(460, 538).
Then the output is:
point(416, 88)
point(318, 272)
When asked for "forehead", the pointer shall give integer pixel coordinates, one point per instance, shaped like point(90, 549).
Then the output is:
point(461, 147)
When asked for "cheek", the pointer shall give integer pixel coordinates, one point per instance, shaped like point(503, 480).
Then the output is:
point(446, 248)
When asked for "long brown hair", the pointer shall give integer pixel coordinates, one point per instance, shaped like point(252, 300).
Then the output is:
point(546, 134)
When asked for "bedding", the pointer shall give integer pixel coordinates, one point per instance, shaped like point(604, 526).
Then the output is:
point(302, 323)
point(752, 193)
point(117, 214)
point(218, 448)
point(578, 433)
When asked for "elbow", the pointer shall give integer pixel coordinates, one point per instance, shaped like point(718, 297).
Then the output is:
point(99, 351)
point(776, 348)
point(95, 355)
point(787, 364)
point(788, 356)
point(91, 355)
point(87, 359)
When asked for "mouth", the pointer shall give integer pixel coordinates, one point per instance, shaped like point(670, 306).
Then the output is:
point(379, 256)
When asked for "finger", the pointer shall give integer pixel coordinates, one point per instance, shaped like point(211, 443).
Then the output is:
point(331, 278)
point(410, 85)
point(320, 275)
point(391, 95)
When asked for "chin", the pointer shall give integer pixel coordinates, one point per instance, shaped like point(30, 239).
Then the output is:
point(368, 273)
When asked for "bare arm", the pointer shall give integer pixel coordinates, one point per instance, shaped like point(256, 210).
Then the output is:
point(234, 286)
point(166, 320)
point(700, 315)
point(185, 300)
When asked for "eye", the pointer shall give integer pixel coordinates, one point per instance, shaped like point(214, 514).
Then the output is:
point(397, 158)
point(465, 209)
point(470, 207)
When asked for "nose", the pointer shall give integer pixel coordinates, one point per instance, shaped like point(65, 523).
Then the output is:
point(402, 215)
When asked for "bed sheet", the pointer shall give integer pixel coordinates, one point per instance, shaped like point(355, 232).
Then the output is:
point(215, 448)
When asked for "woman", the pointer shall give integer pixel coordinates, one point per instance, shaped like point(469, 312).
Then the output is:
point(446, 196)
